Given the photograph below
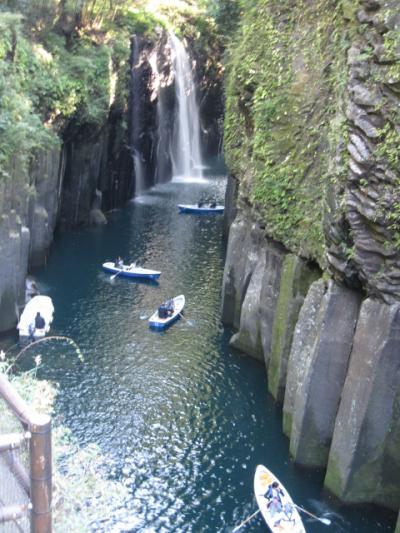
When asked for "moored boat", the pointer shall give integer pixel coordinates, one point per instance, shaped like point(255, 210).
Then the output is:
point(26, 325)
point(201, 208)
point(131, 271)
point(167, 313)
point(284, 517)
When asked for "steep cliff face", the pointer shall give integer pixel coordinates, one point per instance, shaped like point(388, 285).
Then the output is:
point(312, 140)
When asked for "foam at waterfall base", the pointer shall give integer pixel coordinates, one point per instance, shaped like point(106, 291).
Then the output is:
point(189, 179)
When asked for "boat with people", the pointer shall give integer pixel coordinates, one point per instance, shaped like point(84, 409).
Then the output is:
point(201, 208)
point(130, 271)
point(36, 318)
point(276, 506)
point(167, 313)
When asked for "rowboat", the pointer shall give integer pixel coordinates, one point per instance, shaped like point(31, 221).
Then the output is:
point(201, 209)
point(131, 271)
point(26, 324)
point(162, 322)
point(287, 519)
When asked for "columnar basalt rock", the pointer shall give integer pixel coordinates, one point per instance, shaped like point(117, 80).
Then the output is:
point(47, 175)
point(364, 460)
point(250, 287)
point(241, 259)
point(260, 298)
point(304, 335)
point(85, 159)
point(318, 394)
point(296, 278)
point(14, 237)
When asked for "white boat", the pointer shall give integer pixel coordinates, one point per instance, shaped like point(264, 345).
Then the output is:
point(162, 322)
point(288, 519)
point(41, 304)
point(131, 271)
point(201, 208)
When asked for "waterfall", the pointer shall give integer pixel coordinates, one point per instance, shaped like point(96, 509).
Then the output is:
point(185, 147)
point(136, 119)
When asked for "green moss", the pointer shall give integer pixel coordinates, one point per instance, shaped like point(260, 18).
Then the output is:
point(333, 479)
point(281, 329)
point(287, 423)
point(286, 75)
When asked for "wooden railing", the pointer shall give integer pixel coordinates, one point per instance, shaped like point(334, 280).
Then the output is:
point(36, 483)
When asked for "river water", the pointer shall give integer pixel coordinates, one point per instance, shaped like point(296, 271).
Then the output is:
point(182, 419)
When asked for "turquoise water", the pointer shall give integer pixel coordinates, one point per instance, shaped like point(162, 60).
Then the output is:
point(182, 419)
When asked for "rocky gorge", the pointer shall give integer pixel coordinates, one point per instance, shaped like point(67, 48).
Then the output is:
point(87, 168)
point(311, 281)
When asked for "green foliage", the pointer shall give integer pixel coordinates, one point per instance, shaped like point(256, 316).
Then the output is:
point(66, 61)
point(285, 84)
point(21, 129)
point(82, 494)
point(226, 14)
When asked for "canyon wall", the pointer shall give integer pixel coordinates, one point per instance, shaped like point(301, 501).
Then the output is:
point(312, 270)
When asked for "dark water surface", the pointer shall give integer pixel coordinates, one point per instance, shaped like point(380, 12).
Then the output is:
point(182, 420)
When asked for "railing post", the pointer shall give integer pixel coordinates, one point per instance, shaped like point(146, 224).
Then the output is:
point(41, 471)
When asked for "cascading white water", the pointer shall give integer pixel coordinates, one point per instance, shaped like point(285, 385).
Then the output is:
point(185, 148)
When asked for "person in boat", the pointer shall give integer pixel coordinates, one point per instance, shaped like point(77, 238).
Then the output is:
point(213, 204)
point(274, 496)
point(39, 321)
point(119, 263)
point(170, 306)
point(200, 204)
point(278, 509)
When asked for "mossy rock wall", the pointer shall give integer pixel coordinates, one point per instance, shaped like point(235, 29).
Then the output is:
point(285, 77)
point(311, 133)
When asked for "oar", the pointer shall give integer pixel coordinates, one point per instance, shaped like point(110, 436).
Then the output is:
point(188, 322)
point(325, 521)
point(115, 275)
point(245, 521)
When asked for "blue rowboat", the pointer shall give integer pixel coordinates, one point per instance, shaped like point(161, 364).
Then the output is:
point(130, 271)
point(162, 322)
point(202, 209)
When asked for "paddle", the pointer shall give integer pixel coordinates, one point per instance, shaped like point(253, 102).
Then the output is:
point(115, 275)
point(325, 521)
point(245, 521)
point(188, 322)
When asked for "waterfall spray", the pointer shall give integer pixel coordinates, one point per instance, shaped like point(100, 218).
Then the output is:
point(185, 149)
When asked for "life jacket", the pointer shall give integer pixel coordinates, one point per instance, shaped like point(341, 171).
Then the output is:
point(274, 493)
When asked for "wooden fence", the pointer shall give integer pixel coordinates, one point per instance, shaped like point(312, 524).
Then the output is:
point(36, 483)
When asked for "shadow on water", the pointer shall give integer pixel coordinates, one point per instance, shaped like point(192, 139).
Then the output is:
point(182, 419)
